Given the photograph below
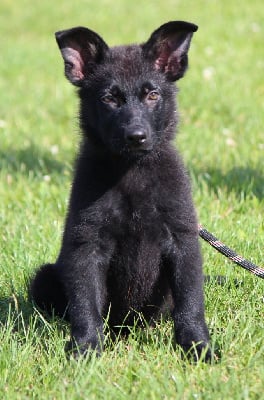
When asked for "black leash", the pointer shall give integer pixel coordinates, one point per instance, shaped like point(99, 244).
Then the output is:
point(229, 253)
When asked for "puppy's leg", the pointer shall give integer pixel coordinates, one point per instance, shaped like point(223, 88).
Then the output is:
point(184, 267)
point(84, 276)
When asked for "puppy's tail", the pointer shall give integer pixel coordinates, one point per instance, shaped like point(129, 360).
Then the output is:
point(47, 291)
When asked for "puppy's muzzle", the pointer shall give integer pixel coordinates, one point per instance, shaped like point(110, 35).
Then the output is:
point(137, 139)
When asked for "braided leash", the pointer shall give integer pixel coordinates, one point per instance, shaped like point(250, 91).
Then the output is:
point(229, 253)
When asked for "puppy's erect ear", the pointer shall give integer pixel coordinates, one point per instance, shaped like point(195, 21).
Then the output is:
point(168, 48)
point(81, 49)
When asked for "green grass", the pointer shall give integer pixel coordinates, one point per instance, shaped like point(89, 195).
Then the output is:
point(222, 141)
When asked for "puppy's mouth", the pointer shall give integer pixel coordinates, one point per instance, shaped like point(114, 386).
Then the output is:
point(135, 152)
point(131, 149)
point(140, 149)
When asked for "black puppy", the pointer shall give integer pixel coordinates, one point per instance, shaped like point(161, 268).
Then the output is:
point(130, 242)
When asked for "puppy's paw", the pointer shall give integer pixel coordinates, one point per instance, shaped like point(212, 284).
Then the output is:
point(83, 349)
point(200, 351)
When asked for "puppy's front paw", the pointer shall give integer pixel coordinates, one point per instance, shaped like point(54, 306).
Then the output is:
point(198, 351)
point(83, 348)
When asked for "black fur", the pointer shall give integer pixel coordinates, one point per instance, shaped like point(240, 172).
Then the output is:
point(130, 242)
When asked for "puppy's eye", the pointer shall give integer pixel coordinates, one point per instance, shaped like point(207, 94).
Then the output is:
point(153, 95)
point(108, 99)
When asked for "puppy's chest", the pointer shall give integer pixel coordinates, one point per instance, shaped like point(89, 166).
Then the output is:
point(138, 231)
point(136, 225)
point(137, 214)
point(136, 261)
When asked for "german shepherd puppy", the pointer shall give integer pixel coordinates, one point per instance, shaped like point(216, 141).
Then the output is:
point(130, 243)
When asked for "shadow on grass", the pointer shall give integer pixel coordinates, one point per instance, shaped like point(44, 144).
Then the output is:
point(243, 181)
point(13, 306)
point(19, 318)
point(31, 158)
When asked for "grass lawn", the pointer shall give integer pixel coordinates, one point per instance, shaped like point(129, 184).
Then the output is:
point(222, 141)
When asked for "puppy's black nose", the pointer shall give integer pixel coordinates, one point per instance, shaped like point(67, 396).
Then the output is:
point(136, 137)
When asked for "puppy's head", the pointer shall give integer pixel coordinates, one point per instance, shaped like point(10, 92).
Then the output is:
point(127, 95)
